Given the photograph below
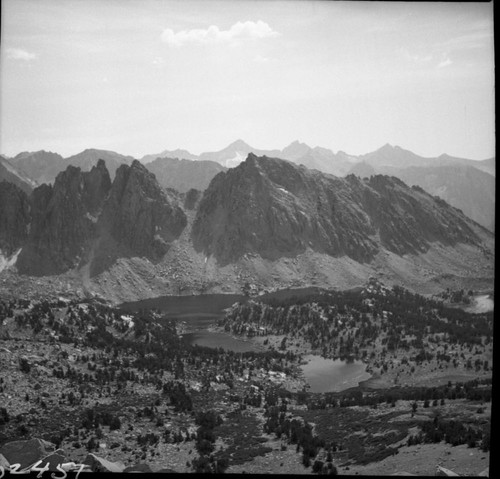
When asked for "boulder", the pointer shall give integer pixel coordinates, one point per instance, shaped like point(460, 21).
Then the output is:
point(57, 458)
point(442, 471)
point(26, 452)
point(98, 464)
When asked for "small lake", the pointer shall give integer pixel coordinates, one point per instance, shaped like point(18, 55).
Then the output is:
point(202, 311)
point(328, 375)
point(203, 305)
point(199, 313)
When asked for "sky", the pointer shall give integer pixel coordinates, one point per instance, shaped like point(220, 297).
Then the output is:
point(140, 77)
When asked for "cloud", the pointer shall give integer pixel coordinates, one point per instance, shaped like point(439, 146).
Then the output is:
point(19, 54)
point(445, 63)
point(212, 34)
point(158, 61)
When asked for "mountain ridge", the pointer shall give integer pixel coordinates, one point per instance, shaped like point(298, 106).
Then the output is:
point(472, 196)
point(272, 207)
point(295, 228)
point(84, 218)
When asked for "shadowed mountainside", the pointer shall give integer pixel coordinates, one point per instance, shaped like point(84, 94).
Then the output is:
point(84, 217)
point(274, 208)
point(63, 220)
point(14, 217)
point(138, 219)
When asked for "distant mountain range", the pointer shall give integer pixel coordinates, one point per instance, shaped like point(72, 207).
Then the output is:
point(466, 184)
point(325, 160)
point(300, 153)
point(398, 157)
point(43, 166)
point(183, 175)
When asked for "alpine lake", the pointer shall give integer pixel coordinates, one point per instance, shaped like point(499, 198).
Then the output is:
point(198, 314)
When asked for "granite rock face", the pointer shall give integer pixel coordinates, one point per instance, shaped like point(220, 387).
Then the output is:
point(63, 220)
point(14, 217)
point(265, 206)
point(84, 218)
point(274, 208)
point(139, 218)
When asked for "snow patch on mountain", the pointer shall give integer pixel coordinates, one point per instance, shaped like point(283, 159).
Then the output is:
point(239, 157)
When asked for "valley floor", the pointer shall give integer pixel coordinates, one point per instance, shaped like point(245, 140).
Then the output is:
point(66, 379)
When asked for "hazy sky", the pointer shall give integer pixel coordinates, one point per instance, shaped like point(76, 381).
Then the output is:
point(139, 77)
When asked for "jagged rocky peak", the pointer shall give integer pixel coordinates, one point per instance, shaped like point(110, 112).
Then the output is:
point(63, 220)
point(90, 188)
point(139, 218)
point(132, 183)
point(14, 217)
point(86, 218)
point(274, 208)
point(97, 186)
